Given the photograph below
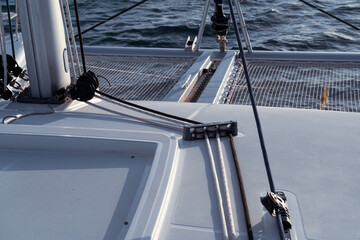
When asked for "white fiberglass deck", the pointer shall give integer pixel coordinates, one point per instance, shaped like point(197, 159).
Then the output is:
point(68, 187)
point(70, 174)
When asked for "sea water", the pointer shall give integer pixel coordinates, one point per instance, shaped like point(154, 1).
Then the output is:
point(272, 24)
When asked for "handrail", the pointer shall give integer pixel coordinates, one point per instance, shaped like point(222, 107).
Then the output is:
point(17, 20)
point(243, 26)
point(3, 51)
point(10, 28)
point(202, 26)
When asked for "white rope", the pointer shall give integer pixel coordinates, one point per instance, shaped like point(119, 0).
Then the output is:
point(12, 118)
point(225, 188)
point(73, 77)
point(3, 49)
point(71, 29)
point(217, 189)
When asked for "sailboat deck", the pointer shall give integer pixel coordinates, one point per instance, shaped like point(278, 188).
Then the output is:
point(323, 81)
point(138, 78)
point(300, 84)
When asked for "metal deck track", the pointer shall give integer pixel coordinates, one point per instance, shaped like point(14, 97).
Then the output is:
point(309, 85)
point(138, 78)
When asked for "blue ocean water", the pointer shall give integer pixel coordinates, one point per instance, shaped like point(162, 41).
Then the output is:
point(272, 24)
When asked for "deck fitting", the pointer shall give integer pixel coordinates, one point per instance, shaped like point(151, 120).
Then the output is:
point(198, 131)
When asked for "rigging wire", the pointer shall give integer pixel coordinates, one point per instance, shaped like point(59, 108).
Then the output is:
point(3, 53)
point(73, 76)
point(329, 14)
point(71, 31)
point(112, 17)
point(10, 28)
point(80, 36)
point(257, 118)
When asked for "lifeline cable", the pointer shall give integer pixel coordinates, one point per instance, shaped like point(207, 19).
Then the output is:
point(80, 36)
point(329, 14)
point(257, 118)
point(112, 17)
point(10, 28)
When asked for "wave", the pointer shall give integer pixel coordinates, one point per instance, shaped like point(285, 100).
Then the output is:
point(273, 25)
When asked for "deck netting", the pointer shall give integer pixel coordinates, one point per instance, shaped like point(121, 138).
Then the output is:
point(138, 78)
point(309, 85)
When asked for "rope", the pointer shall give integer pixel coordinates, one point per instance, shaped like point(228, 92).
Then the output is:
point(171, 126)
point(225, 187)
point(80, 36)
point(242, 189)
point(256, 115)
point(329, 14)
point(217, 188)
point(12, 118)
point(112, 17)
point(159, 113)
point(144, 112)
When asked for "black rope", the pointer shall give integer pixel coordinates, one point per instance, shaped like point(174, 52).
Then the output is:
point(329, 14)
point(253, 103)
point(148, 109)
point(80, 36)
point(256, 115)
point(11, 31)
point(112, 17)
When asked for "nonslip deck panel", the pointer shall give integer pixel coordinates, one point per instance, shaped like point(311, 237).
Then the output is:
point(304, 84)
point(55, 191)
